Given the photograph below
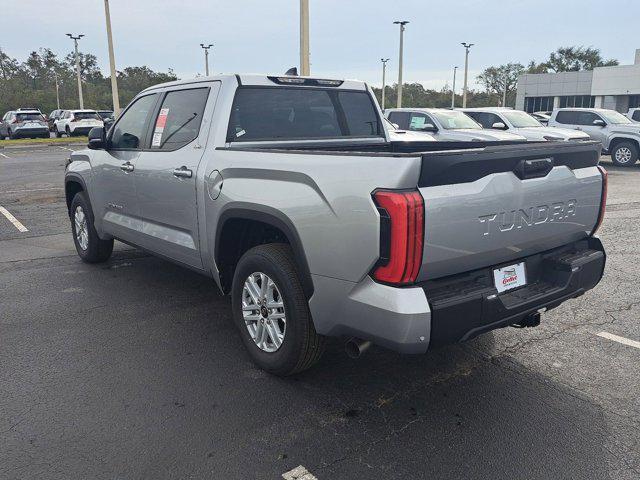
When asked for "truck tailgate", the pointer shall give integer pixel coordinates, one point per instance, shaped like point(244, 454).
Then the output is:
point(497, 204)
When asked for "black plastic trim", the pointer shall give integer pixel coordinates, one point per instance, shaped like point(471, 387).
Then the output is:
point(277, 219)
point(447, 168)
point(466, 305)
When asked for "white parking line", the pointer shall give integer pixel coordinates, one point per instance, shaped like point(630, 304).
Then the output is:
point(298, 473)
point(35, 190)
point(65, 148)
point(3, 155)
point(13, 219)
point(622, 340)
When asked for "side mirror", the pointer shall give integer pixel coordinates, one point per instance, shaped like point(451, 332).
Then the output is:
point(499, 126)
point(599, 123)
point(97, 138)
point(427, 127)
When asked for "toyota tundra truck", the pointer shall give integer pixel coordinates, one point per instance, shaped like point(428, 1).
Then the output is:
point(288, 192)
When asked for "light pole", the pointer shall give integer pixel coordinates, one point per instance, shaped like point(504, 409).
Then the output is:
point(305, 68)
point(466, 46)
point(402, 24)
point(453, 89)
point(55, 75)
point(112, 62)
point(384, 78)
point(504, 94)
point(206, 56)
point(75, 42)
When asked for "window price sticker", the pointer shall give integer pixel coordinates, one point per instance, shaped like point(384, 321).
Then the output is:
point(160, 123)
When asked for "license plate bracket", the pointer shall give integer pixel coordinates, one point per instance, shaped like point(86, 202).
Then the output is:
point(510, 277)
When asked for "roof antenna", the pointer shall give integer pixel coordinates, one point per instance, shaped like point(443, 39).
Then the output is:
point(293, 72)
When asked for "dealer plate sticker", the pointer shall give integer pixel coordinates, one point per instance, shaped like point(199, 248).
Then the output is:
point(509, 277)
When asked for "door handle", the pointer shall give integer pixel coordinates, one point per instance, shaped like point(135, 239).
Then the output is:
point(126, 167)
point(182, 172)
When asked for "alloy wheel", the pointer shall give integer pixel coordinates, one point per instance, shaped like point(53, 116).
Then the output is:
point(82, 232)
point(263, 312)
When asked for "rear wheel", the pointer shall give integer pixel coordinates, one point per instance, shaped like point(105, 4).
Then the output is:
point(624, 154)
point(89, 246)
point(12, 136)
point(67, 131)
point(271, 311)
point(57, 132)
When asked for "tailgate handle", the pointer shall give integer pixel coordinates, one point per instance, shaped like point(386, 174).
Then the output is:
point(539, 167)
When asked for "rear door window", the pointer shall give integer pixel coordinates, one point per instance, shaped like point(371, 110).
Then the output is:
point(567, 117)
point(178, 121)
point(284, 113)
point(636, 116)
point(401, 119)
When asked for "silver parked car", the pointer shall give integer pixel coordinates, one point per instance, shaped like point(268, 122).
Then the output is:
point(24, 123)
point(619, 136)
point(446, 125)
point(516, 121)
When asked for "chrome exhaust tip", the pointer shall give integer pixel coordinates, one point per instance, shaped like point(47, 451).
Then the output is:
point(355, 347)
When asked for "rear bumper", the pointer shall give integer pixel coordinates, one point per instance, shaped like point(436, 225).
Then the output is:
point(80, 130)
point(456, 308)
point(30, 132)
point(467, 305)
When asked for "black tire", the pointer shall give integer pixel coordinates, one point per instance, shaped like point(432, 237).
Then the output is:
point(68, 131)
point(11, 135)
point(301, 347)
point(97, 250)
point(624, 154)
point(57, 132)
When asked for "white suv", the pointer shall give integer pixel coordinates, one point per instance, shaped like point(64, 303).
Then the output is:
point(516, 121)
point(77, 122)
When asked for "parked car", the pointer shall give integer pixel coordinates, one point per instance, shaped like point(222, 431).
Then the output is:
point(77, 122)
point(542, 117)
point(634, 114)
point(516, 121)
point(446, 125)
point(53, 116)
point(618, 135)
point(288, 192)
point(105, 114)
point(23, 123)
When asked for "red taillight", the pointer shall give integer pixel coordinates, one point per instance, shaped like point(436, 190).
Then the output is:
point(603, 198)
point(403, 232)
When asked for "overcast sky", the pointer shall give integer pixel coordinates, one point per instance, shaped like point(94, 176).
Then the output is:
point(348, 37)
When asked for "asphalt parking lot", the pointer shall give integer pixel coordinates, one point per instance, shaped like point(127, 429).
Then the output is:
point(132, 369)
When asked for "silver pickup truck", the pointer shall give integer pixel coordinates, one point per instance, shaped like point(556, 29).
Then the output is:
point(288, 193)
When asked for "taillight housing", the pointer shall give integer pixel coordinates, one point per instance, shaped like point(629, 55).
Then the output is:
point(603, 198)
point(401, 236)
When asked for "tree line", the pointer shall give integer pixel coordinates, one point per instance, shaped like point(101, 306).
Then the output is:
point(32, 83)
point(496, 79)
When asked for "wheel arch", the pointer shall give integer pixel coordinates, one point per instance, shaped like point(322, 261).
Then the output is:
point(269, 217)
point(614, 141)
point(74, 184)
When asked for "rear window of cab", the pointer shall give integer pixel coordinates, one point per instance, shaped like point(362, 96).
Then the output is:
point(290, 113)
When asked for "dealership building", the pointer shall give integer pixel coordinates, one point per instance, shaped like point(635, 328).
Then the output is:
point(616, 88)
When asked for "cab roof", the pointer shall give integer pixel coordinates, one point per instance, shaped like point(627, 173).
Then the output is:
point(269, 80)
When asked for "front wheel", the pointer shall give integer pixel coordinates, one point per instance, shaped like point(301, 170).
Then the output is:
point(624, 154)
point(89, 246)
point(271, 311)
